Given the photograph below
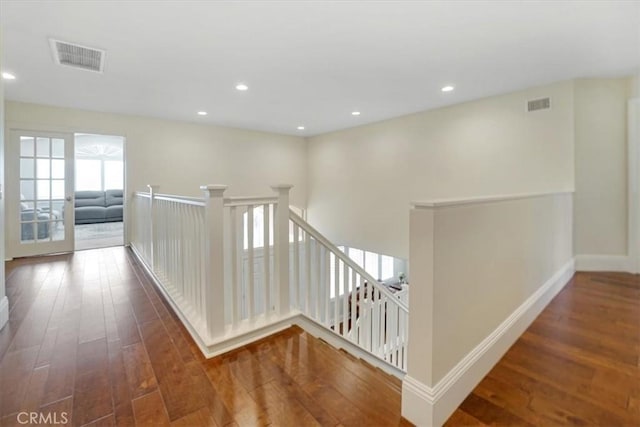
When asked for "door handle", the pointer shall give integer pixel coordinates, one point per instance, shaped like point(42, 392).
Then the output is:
point(68, 198)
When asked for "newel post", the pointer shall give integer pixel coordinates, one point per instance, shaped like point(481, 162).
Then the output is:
point(153, 190)
point(281, 240)
point(214, 258)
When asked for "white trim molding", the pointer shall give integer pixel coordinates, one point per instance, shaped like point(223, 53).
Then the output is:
point(633, 198)
point(617, 263)
point(442, 203)
point(4, 311)
point(431, 406)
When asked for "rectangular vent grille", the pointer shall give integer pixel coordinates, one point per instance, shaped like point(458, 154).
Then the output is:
point(539, 104)
point(74, 55)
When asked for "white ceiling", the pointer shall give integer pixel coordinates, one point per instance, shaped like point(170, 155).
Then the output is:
point(309, 63)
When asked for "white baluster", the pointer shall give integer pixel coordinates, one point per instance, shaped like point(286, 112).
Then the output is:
point(380, 321)
point(266, 260)
point(153, 189)
point(392, 332)
point(251, 298)
point(345, 298)
point(297, 279)
point(336, 294)
point(239, 255)
point(354, 306)
point(308, 274)
point(235, 283)
point(317, 294)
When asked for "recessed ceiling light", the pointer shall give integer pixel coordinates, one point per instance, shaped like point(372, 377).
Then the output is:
point(355, 113)
point(300, 127)
point(8, 76)
point(202, 113)
point(447, 88)
point(242, 86)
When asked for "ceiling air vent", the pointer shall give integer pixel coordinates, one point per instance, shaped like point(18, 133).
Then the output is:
point(74, 55)
point(539, 104)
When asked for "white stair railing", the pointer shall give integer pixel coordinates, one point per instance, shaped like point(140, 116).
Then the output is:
point(337, 293)
point(169, 236)
point(235, 265)
point(141, 235)
point(216, 257)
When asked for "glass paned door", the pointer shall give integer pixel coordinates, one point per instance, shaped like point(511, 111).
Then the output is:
point(42, 180)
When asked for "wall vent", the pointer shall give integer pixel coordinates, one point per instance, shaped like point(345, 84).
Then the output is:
point(77, 56)
point(539, 104)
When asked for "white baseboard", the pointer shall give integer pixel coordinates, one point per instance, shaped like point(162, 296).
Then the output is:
point(431, 406)
point(4, 311)
point(618, 263)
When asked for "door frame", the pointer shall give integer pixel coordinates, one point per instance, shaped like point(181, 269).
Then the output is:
point(12, 183)
point(125, 197)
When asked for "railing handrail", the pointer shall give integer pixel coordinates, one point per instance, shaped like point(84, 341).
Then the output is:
point(250, 200)
point(184, 200)
point(348, 261)
point(196, 201)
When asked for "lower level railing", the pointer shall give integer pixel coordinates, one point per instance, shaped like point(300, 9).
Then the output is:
point(341, 296)
point(233, 266)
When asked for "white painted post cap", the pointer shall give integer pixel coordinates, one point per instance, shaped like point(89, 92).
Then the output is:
point(213, 187)
point(282, 186)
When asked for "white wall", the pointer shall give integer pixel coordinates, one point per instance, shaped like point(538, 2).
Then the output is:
point(601, 166)
point(489, 258)
point(4, 303)
point(635, 86)
point(179, 156)
point(478, 264)
point(362, 180)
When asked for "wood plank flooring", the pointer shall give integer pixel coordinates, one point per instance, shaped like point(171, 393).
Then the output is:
point(577, 364)
point(90, 337)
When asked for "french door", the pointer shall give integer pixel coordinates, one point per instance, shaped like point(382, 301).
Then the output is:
point(40, 193)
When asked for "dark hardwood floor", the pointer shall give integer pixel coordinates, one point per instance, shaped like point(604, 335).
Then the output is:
point(90, 337)
point(577, 364)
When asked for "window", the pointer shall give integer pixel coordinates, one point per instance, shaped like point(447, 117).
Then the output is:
point(99, 162)
point(88, 175)
point(113, 175)
point(99, 175)
point(379, 266)
point(386, 270)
